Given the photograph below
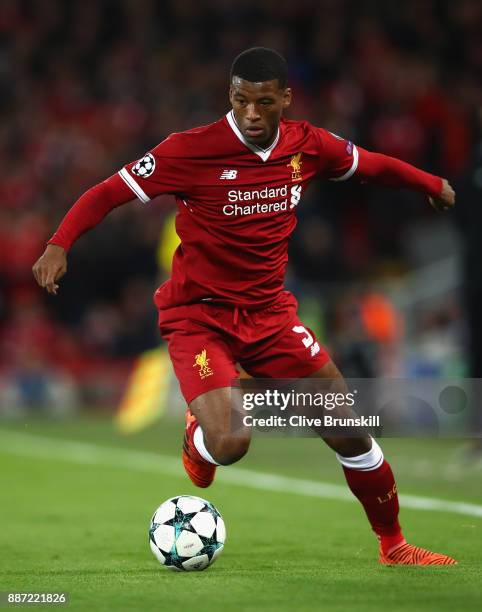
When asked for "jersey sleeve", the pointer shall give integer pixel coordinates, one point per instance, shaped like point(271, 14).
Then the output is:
point(338, 157)
point(160, 171)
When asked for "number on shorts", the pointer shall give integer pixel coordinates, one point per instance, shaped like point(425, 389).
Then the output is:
point(308, 339)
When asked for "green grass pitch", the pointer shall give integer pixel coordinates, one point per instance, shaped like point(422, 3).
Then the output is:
point(74, 519)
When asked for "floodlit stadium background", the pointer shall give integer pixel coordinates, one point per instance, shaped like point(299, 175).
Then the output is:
point(87, 86)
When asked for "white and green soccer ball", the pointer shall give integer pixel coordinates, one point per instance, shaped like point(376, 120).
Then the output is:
point(187, 533)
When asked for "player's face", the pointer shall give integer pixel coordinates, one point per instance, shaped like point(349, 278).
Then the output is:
point(258, 108)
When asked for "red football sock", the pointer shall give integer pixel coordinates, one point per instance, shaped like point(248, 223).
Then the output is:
point(377, 492)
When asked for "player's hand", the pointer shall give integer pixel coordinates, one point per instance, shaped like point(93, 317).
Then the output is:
point(50, 268)
point(446, 199)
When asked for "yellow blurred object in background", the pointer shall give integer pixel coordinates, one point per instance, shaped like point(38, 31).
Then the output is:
point(168, 243)
point(147, 391)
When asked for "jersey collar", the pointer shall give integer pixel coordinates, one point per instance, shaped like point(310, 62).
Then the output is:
point(259, 151)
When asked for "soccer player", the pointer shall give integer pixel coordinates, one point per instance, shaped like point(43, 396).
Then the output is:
point(238, 183)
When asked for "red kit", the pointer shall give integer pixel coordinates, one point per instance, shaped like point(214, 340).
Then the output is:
point(237, 205)
point(225, 302)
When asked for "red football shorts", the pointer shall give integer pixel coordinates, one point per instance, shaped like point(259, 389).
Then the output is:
point(207, 340)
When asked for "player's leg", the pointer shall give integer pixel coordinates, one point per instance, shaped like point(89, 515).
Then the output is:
point(367, 473)
point(296, 354)
point(205, 368)
point(209, 438)
point(331, 380)
point(222, 438)
point(371, 480)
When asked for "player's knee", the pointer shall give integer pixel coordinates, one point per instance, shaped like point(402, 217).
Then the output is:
point(350, 447)
point(229, 448)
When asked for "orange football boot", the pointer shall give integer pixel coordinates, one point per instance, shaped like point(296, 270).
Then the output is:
point(407, 554)
point(200, 471)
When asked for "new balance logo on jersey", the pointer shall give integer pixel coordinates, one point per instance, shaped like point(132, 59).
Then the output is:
point(229, 175)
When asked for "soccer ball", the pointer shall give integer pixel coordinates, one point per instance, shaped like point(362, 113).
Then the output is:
point(186, 533)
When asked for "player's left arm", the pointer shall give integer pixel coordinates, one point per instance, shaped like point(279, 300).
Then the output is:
point(391, 172)
point(340, 159)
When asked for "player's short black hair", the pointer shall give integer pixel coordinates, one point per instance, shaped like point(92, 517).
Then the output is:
point(260, 64)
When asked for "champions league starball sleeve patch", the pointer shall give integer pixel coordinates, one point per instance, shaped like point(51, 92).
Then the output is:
point(145, 166)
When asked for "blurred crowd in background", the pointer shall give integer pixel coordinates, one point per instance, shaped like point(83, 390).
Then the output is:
point(87, 85)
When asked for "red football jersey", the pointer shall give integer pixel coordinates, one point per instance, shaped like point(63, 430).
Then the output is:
point(237, 205)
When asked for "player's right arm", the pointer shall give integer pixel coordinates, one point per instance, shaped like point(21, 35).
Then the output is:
point(86, 213)
point(159, 171)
